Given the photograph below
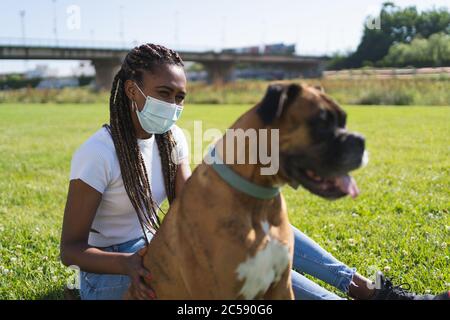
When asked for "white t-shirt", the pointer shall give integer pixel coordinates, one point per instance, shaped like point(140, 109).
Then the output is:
point(96, 163)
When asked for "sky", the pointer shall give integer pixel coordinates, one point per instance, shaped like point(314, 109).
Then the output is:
point(316, 26)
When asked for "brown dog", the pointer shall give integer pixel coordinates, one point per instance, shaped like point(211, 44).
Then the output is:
point(217, 242)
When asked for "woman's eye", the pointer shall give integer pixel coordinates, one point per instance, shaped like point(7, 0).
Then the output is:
point(179, 99)
point(164, 94)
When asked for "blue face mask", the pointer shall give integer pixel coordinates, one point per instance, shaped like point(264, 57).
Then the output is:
point(157, 116)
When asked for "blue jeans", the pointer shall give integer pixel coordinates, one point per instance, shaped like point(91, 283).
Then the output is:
point(309, 258)
point(94, 286)
point(312, 259)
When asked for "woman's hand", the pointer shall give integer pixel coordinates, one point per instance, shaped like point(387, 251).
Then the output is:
point(139, 289)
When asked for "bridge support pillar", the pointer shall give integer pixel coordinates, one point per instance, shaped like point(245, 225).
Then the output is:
point(105, 70)
point(314, 71)
point(219, 72)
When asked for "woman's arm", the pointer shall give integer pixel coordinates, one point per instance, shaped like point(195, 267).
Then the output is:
point(81, 206)
point(82, 203)
point(183, 173)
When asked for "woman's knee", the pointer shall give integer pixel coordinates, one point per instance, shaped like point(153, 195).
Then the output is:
point(103, 286)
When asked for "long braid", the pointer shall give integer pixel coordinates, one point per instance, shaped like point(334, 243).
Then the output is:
point(134, 173)
point(167, 143)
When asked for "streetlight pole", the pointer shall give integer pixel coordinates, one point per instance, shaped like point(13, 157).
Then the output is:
point(55, 23)
point(263, 36)
point(22, 23)
point(176, 31)
point(121, 27)
point(224, 30)
point(92, 33)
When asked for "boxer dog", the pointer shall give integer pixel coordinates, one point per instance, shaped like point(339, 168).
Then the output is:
point(219, 242)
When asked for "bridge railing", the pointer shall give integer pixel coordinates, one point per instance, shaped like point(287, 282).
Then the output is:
point(90, 44)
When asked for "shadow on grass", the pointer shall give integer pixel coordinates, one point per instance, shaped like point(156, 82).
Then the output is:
point(59, 294)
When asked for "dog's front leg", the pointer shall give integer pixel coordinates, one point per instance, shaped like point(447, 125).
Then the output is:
point(282, 290)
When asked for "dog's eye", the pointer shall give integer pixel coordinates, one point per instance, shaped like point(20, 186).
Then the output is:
point(322, 125)
point(323, 115)
point(328, 118)
point(323, 118)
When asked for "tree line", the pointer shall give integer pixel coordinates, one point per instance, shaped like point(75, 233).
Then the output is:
point(403, 37)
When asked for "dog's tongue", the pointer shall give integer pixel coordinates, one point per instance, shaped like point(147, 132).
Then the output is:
point(347, 185)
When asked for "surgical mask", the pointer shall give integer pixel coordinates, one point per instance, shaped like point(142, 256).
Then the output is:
point(157, 116)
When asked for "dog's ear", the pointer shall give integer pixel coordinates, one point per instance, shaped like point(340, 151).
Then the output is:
point(320, 88)
point(277, 98)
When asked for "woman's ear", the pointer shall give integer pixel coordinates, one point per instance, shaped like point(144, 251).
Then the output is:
point(130, 90)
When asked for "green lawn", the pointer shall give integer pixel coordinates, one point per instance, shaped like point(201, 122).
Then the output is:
point(399, 223)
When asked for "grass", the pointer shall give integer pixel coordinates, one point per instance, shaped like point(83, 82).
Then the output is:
point(365, 90)
point(356, 91)
point(400, 222)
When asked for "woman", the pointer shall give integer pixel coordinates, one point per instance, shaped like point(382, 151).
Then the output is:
point(127, 168)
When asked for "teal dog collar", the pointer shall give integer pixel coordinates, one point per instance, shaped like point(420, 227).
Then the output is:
point(241, 184)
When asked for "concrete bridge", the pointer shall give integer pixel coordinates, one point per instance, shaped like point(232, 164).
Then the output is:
point(219, 65)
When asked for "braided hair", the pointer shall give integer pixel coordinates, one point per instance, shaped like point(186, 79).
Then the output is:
point(146, 57)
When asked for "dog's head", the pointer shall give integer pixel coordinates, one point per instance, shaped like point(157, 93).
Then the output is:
point(316, 150)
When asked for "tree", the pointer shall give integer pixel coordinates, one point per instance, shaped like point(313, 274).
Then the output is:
point(431, 52)
point(397, 26)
